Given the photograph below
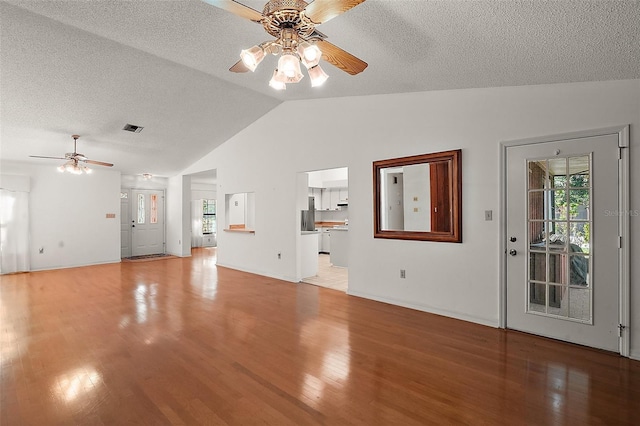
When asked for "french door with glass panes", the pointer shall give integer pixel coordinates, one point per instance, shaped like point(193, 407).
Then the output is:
point(562, 247)
point(147, 222)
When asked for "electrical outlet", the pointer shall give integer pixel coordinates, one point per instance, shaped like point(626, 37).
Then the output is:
point(488, 215)
point(403, 273)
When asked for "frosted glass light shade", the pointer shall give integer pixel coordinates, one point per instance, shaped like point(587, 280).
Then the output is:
point(317, 76)
point(275, 83)
point(310, 54)
point(252, 57)
point(289, 69)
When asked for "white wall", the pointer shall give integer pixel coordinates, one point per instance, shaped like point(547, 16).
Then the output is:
point(371, 128)
point(332, 178)
point(178, 208)
point(67, 215)
point(203, 191)
point(138, 182)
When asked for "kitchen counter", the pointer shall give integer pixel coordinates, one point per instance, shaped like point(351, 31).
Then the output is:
point(340, 246)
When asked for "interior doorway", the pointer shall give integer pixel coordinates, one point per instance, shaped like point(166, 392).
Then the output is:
point(328, 193)
point(204, 209)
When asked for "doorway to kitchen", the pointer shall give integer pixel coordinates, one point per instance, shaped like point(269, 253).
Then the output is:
point(327, 218)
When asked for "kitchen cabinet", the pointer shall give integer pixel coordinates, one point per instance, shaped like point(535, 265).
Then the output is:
point(329, 198)
point(344, 195)
point(325, 203)
point(334, 197)
point(317, 194)
point(325, 236)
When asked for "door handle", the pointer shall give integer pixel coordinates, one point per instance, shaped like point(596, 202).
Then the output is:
point(513, 252)
point(513, 239)
point(133, 226)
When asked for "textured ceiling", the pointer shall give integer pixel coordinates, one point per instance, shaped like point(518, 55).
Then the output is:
point(89, 67)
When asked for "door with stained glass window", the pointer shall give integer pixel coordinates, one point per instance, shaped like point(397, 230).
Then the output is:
point(562, 247)
point(147, 222)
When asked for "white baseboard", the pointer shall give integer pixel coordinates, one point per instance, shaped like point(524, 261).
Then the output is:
point(430, 309)
point(51, 268)
point(259, 272)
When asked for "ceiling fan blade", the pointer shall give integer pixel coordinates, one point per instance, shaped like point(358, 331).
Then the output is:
point(341, 58)
point(239, 67)
point(98, 163)
point(237, 9)
point(321, 11)
point(53, 158)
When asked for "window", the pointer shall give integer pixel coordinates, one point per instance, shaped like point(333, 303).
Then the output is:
point(141, 209)
point(154, 209)
point(208, 216)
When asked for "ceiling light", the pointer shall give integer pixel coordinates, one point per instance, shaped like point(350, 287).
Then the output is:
point(147, 176)
point(278, 85)
point(291, 54)
point(74, 168)
point(252, 57)
point(310, 54)
point(317, 76)
point(289, 68)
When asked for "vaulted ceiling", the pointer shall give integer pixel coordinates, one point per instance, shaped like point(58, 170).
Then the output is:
point(90, 67)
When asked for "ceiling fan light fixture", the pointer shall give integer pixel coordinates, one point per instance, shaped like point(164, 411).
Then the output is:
point(317, 76)
point(289, 68)
point(276, 83)
point(252, 57)
point(310, 54)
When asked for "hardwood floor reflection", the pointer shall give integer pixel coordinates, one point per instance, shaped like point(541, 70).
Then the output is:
point(181, 341)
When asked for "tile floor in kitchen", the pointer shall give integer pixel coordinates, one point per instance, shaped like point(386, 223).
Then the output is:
point(329, 276)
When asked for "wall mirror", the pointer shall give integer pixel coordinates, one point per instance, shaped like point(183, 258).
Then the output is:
point(419, 197)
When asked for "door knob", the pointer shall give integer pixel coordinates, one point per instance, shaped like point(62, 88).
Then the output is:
point(513, 252)
point(133, 226)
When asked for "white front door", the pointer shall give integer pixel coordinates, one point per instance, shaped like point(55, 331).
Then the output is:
point(562, 240)
point(147, 222)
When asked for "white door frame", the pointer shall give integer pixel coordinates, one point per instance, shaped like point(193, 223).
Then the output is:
point(623, 223)
point(130, 189)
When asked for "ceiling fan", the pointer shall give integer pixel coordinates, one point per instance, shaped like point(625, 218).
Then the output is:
point(293, 24)
point(74, 160)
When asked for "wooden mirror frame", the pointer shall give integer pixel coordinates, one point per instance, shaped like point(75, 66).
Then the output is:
point(455, 234)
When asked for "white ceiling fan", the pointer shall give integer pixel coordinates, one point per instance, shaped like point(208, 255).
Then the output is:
point(75, 160)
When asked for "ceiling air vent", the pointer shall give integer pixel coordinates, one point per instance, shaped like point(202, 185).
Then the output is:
point(132, 128)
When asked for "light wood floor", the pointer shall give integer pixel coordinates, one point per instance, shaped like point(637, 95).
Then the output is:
point(181, 341)
point(329, 276)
